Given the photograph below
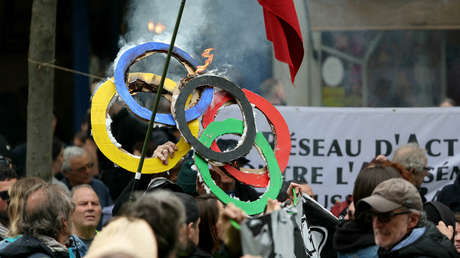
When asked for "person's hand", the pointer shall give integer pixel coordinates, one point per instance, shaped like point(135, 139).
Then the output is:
point(304, 188)
point(448, 231)
point(230, 212)
point(229, 235)
point(164, 151)
point(272, 205)
point(350, 212)
point(233, 212)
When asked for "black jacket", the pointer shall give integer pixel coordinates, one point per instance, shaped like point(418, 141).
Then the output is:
point(351, 236)
point(197, 253)
point(28, 246)
point(450, 195)
point(431, 244)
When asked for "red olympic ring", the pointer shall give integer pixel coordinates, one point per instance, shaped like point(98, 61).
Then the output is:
point(280, 132)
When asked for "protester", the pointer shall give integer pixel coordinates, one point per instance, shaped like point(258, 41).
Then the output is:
point(210, 210)
point(188, 246)
point(124, 237)
point(413, 158)
point(45, 224)
point(450, 195)
point(227, 233)
point(86, 216)
point(7, 178)
point(76, 167)
point(165, 214)
point(17, 194)
point(225, 181)
point(442, 217)
point(354, 237)
point(398, 224)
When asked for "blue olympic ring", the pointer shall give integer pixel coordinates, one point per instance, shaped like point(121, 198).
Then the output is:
point(128, 58)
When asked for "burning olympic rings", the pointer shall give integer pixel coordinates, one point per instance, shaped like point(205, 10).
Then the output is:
point(136, 53)
point(214, 130)
point(100, 103)
point(187, 123)
point(248, 134)
point(280, 132)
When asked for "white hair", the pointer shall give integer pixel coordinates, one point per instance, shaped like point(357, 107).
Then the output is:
point(70, 153)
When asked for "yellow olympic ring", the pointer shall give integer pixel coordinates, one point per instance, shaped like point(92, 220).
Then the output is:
point(99, 107)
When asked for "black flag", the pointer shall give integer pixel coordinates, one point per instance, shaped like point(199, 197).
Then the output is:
point(302, 231)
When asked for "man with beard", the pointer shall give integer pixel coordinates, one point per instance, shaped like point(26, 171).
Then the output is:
point(7, 178)
point(188, 242)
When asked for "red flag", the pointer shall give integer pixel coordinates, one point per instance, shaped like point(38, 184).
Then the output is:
point(283, 31)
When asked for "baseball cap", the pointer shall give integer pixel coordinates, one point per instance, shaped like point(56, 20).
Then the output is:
point(392, 194)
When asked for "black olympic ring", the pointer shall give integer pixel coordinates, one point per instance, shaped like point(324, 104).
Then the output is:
point(248, 135)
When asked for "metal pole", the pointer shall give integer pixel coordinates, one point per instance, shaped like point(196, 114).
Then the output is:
point(157, 98)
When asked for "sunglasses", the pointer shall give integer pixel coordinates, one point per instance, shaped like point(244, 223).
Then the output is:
point(386, 217)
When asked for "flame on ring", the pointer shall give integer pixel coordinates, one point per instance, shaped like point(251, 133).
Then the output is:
point(206, 54)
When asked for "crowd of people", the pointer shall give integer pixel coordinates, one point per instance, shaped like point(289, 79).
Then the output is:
point(92, 208)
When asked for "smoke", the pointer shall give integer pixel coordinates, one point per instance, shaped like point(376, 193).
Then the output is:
point(234, 28)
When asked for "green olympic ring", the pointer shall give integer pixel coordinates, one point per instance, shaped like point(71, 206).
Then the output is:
point(234, 126)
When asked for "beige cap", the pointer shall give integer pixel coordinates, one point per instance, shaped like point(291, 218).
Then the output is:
point(132, 237)
point(392, 194)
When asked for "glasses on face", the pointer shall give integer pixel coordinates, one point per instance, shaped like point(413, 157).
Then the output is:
point(84, 168)
point(386, 217)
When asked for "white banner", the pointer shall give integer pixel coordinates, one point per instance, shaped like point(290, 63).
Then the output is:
point(330, 145)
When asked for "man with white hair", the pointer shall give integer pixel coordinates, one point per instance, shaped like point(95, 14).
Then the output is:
point(400, 229)
point(413, 158)
point(76, 167)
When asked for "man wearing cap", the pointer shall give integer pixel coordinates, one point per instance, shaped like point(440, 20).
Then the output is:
point(400, 229)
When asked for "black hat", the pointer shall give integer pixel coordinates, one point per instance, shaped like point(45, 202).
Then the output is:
point(162, 183)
